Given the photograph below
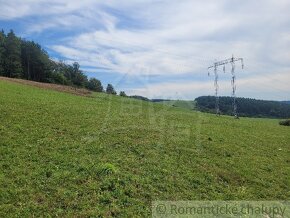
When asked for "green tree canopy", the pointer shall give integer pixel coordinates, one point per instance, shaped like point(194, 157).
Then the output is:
point(2, 52)
point(247, 107)
point(35, 62)
point(123, 94)
point(95, 85)
point(25, 59)
point(13, 66)
point(110, 90)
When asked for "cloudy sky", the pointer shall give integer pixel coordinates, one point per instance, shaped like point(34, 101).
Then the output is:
point(162, 48)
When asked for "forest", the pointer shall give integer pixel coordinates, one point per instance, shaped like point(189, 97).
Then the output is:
point(247, 107)
point(23, 59)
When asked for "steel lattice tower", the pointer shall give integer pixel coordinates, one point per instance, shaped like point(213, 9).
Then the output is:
point(223, 63)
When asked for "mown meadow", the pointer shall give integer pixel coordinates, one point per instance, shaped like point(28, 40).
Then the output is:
point(190, 105)
point(66, 155)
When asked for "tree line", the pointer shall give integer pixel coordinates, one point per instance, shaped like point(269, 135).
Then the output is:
point(247, 107)
point(23, 59)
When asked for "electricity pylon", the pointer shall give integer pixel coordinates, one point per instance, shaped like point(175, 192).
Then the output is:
point(223, 63)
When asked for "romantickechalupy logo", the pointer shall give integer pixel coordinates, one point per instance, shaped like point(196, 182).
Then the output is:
point(230, 209)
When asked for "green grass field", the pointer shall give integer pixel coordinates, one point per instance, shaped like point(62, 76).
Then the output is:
point(190, 105)
point(66, 155)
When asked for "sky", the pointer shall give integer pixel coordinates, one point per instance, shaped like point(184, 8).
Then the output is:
point(162, 48)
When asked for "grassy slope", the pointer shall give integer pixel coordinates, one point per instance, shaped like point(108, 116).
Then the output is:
point(69, 155)
point(190, 105)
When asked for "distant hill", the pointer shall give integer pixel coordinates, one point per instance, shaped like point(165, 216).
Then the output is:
point(140, 97)
point(160, 100)
point(286, 102)
point(246, 107)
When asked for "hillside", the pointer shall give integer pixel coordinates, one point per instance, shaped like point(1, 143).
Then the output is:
point(104, 155)
point(247, 107)
point(50, 86)
point(189, 105)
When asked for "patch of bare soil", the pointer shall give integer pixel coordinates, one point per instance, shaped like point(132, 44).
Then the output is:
point(61, 88)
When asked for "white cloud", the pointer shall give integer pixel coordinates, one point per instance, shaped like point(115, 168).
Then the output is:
point(181, 36)
point(166, 37)
point(269, 87)
point(18, 9)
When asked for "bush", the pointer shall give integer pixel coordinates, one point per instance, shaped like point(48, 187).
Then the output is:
point(285, 123)
point(123, 94)
point(95, 85)
point(58, 78)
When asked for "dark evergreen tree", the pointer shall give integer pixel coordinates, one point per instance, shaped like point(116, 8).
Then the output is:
point(13, 66)
point(2, 52)
point(110, 90)
point(35, 62)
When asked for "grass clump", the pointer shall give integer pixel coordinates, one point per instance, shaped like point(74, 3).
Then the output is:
point(107, 169)
point(285, 123)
